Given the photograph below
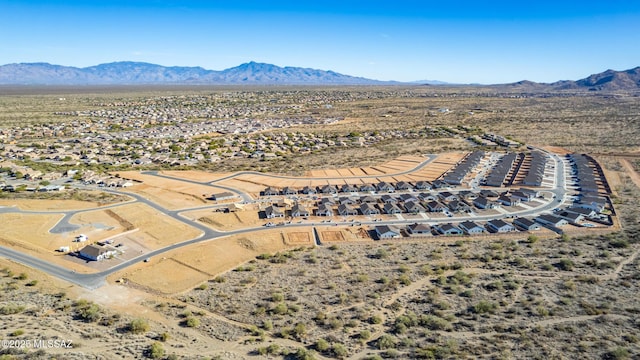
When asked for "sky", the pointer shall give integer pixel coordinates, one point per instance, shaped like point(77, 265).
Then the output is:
point(485, 42)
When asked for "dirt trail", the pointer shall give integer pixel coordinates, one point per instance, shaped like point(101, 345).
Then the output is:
point(623, 263)
point(631, 171)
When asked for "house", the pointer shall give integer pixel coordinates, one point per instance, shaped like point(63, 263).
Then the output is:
point(434, 206)
point(447, 229)
point(521, 196)
point(308, 190)
point(367, 188)
point(96, 253)
point(385, 187)
point(437, 184)
point(329, 189)
point(587, 213)
point(388, 199)
point(488, 193)
point(414, 207)
point(298, 210)
point(468, 195)
point(347, 200)
point(269, 191)
point(348, 188)
point(327, 201)
point(507, 200)
point(499, 226)
point(324, 210)
point(427, 197)
point(289, 191)
point(346, 210)
point(368, 199)
point(484, 203)
point(471, 228)
point(419, 229)
point(369, 209)
point(458, 205)
point(386, 232)
point(551, 220)
point(447, 196)
point(223, 196)
point(595, 203)
point(530, 193)
point(526, 224)
point(272, 212)
point(391, 209)
point(571, 217)
point(422, 185)
point(403, 185)
point(408, 197)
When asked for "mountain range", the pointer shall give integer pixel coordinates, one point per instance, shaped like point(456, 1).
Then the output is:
point(253, 73)
point(127, 72)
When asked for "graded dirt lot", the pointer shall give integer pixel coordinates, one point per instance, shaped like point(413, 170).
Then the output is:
point(171, 194)
point(227, 221)
point(300, 238)
point(48, 205)
point(31, 231)
point(200, 176)
point(156, 230)
point(183, 269)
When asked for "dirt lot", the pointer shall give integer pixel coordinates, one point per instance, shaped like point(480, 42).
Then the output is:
point(169, 193)
point(48, 205)
point(31, 231)
point(157, 230)
point(203, 261)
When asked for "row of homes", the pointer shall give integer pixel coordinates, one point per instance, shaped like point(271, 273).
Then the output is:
point(588, 173)
point(463, 168)
point(496, 226)
point(411, 203)
point(498, 174)
point(381, 187)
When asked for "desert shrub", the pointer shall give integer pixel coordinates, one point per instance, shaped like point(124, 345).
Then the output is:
point(484, 307)
point(565, 264)
point(434, 323)
point(88, 311)
point(300, 330)
point(322, 345)
point(619, 243)
point(155, 351)
point(381, 254)
point(138, 326)
point(280, 309)
point(164, 337)
point(618, 353)
point(10, 309)
point(339, 350)
point(365, 335)
point(192, 322)
point(303, 354)
point(386, 342)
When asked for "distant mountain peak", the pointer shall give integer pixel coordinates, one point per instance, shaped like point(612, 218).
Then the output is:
point(608, 80)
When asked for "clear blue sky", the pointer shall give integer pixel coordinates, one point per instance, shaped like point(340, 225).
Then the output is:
point(454, 41)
